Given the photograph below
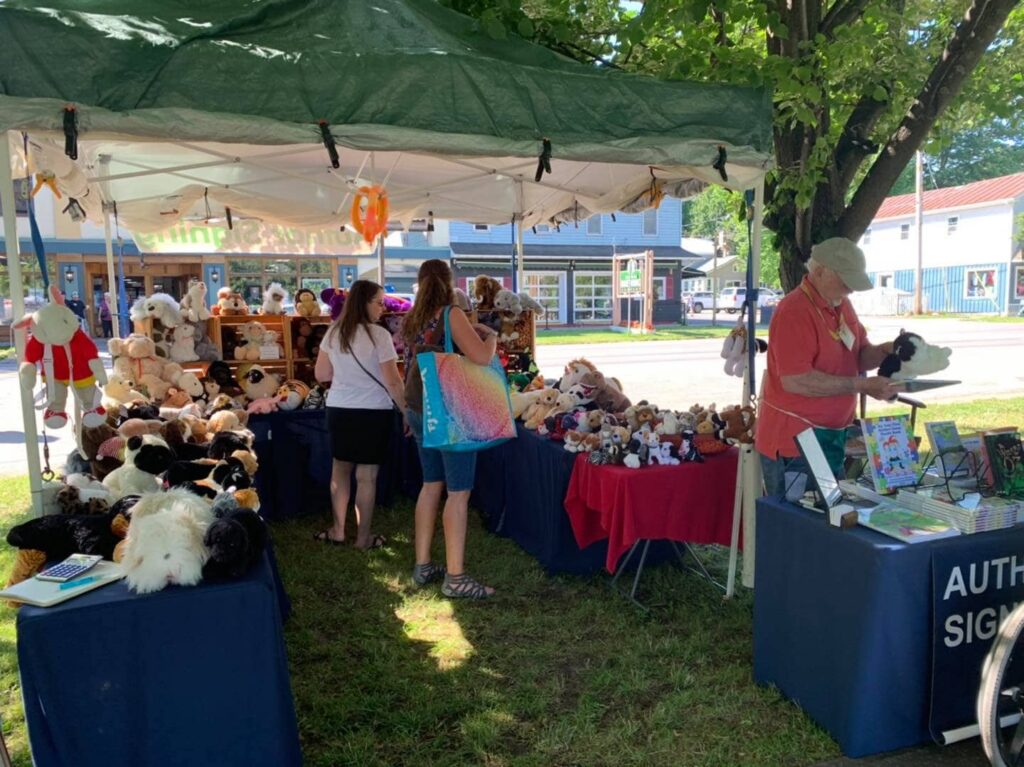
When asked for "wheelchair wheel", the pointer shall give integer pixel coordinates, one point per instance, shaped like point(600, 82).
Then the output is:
point(1002, 693)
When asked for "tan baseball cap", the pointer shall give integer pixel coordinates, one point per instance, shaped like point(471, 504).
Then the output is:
point(845, 259)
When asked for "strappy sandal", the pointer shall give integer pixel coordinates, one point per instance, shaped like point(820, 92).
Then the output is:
point(324, 536)
point(376, 542)
point(464, 587)
point(428, 573)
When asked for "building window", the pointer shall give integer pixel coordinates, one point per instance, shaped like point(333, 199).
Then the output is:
point(594, 225)
point(592, 292)
point(904, 231)
point(481, 227)
point(250, 276)
point(885, 280)
point(866, 239)
point(1018, 282)
point(650, 222)
point(951, 224)
point(980, 283)
point(548, 289)
point(659, 285)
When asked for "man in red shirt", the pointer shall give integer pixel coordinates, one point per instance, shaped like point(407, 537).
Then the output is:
point(817, 353)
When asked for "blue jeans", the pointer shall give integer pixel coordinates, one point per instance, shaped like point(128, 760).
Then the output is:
point(785, 476)
point(456, 470)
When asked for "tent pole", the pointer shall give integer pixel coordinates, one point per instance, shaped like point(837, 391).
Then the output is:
point(115, 310)
point(28, 413)
point(737, 508)
point(520, 282)
point(380, 261)
point(752, 487)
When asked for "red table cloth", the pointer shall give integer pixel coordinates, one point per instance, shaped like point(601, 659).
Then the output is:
point(691, 503)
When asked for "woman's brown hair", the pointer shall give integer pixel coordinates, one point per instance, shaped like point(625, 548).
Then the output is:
point(355, 313)
point(433, 294)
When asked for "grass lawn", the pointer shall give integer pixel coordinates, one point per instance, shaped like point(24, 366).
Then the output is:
point(7, 352)
point(605, 336)
point(969, 416)
point(554, 671)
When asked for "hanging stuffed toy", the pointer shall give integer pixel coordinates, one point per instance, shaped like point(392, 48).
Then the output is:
point(734, 350)
point(67, 356)
point(375, 221)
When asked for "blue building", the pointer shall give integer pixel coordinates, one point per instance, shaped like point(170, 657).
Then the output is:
point(569, 269)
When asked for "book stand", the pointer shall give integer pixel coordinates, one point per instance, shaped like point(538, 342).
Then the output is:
point(967, 461)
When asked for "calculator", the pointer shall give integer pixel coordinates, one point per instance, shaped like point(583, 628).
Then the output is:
point(70, 568)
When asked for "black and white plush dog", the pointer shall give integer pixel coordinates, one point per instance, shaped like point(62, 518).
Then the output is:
point(912, 356)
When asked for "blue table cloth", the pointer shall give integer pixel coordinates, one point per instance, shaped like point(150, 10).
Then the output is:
point(520, 490)
point(183, 677)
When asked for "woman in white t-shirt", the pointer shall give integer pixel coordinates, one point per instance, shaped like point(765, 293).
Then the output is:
point(358, 358)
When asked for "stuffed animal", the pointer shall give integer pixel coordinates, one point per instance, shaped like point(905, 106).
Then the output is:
point(135, 358)
point(253, 334)
point(145, 458)
point(119, 390)
point(220, 372)
point(183, 347)
point(529, 304)
point(507, 301)
point(235, 540)
point(662, 455)
point(306, 304)
point(159, 307)
point(231, 305)
point(227, 443)
point(59, 536)
point(193, 304)
point(257, 383)
point(55, 333)
point(734, 351)
point(316, 399)
point(485, 289)
point(739, 424)
point(574, 372)
point(165, 541)
point(508, 333)
point(226, 420)
point(396, 304)
point(912, 356)
point(262, 406)
point(206, 349)
point(541, 407)
point(462, 300)
point(291, 394)
point(273, 299)
point(590, 421)
point(335, 300)
point(607, 392)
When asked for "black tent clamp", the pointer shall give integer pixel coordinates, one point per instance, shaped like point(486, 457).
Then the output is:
point(719, 164)
point(328, 139)
point(71, 132)
point(544, 161)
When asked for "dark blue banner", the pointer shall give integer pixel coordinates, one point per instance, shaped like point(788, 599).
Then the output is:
point(973, 590)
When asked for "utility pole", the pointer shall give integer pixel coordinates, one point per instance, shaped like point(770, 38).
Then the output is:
point(919, 224)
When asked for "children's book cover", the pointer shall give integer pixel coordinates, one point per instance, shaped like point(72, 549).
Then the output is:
point(892, 453)
point(1006, 456)
point(947, 446)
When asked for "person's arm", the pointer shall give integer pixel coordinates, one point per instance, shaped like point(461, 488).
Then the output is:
point(393, 380)
point(814, 383)
point(468, 341)
point(871, 356)
point(323, 370)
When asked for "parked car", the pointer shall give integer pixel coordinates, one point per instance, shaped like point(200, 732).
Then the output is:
point(731, 299)
point(697, 302)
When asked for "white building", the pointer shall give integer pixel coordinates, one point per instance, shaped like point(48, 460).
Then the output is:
point(972, 259)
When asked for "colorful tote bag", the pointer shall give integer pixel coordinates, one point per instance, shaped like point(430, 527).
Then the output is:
point(466, 406)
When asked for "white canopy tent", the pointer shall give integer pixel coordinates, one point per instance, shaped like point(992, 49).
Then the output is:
point(161, 166)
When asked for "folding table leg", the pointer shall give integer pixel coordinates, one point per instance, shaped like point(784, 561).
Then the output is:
point(636, 579)
point(700, 570)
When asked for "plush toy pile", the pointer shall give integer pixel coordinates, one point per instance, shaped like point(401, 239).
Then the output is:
point(589, 413)
point(172, 499)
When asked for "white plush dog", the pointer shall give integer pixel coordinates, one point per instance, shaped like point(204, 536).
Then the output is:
point(145, 458)
point(159, 306)
point(183, 348)
point(165, 541)
point(274, 298)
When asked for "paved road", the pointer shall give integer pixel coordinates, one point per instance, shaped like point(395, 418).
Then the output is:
point(987, 357)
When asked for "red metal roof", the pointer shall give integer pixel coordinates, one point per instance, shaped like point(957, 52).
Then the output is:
point(989, 190)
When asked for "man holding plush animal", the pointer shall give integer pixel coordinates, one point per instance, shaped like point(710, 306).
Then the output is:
point(817, 355)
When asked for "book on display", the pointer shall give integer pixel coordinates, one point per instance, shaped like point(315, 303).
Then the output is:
point(970, 514)
point(892, 453)
point(905, 524)
point(947, 447)
point(1006, 456)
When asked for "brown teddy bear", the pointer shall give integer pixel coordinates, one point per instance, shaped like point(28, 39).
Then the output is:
point(485, 289)
point(739, 424)
point(231, 304)
point(93, 438)
point(607, 394)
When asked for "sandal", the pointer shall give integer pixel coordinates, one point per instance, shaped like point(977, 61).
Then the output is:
point(324, 537)
point(428, 573)
point(376, 542)
point(464, 587)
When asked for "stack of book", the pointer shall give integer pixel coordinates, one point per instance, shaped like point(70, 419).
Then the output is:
point(972, 515)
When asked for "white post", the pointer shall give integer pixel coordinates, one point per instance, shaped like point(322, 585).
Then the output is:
point(752, 486)
point(380, 259)
point(919, 223)
point(520, 262)
point(111, 275)
point(28, 413)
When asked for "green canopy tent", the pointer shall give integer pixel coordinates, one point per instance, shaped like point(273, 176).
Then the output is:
point(282, 109)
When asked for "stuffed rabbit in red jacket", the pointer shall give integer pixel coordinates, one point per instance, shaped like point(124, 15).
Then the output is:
point(67, 356)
